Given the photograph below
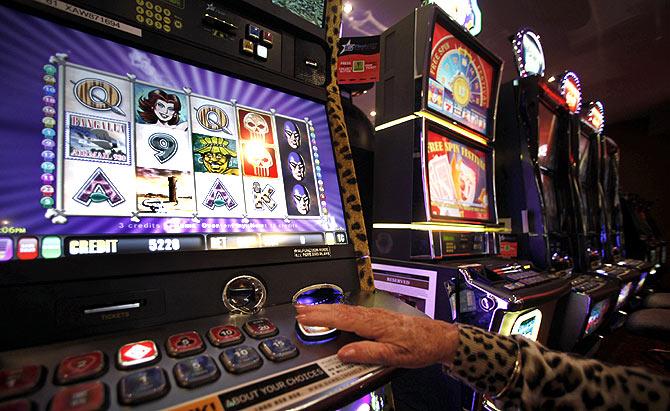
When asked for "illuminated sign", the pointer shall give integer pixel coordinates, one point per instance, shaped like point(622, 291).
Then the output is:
point(571, 90)
point(528, 53)
point(464, 12)
point(595, 117)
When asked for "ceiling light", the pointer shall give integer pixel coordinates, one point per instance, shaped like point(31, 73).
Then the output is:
point(373, 113)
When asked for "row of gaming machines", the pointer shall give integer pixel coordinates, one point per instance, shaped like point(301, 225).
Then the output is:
point(514, 222)
point(182, 190)
point(169, 188)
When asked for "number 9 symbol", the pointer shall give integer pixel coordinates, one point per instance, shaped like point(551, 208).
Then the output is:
point(164, 145)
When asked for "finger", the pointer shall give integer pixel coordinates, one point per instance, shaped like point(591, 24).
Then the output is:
point(370, 352)
point(341, 316)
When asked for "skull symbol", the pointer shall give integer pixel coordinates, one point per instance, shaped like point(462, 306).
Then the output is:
point(292, 134)
point(256, 125)
point(261, 160)
point(297, 165)
point(301, 198)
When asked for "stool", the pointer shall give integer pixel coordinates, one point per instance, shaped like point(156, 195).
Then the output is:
point(650, 322)
point(657, 300)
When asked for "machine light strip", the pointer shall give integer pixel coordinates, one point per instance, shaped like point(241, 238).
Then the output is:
point(453, 127)
point(395, 122)
point(447, 227)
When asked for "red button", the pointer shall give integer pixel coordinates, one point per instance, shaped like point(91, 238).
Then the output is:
point(260, 328)
point(91, 396)
point(225, 335)
point(20, 381)
point(81, 367)
point(27, 248)
point(18, 405)
point(137, 353)
point(181, 345)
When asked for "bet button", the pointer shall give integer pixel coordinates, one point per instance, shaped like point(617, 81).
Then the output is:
point(142, 386)
point(241, 359)
point(81, 367)
point(18, 405)
point(225, 335)
point(83, 397)
point(184, 344)
point(278, 348)
point(260, 328)
point(137, 354)
point(20, 381)
point(196, 371)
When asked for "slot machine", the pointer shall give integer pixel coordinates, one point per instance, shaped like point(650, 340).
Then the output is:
point(436, 230)
point(615, 249)
point(169, 188)
point(534, 136)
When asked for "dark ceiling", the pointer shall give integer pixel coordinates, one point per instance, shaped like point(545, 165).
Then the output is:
point(620, 49)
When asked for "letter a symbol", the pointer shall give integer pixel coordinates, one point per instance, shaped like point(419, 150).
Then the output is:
point(98, 189)
point(219, 196)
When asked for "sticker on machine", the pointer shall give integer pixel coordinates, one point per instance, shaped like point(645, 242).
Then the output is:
point(298, 385)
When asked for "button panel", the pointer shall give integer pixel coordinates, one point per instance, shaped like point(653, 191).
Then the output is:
point(142, 386)
point(81, 367)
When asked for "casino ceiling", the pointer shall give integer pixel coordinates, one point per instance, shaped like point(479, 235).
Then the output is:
point(619, 48)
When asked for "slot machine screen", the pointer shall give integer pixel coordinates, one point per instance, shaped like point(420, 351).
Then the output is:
point(109, 149)
point(459, 179)
point(313, 11)
point(460, 82)
point(528, 324)
point(596, 316)
point(547, 126)
point(550, 205)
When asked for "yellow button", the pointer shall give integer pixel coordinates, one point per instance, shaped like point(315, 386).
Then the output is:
point(167, 12)
point(158, 25)
point(167, 28)
point(149, 13)
point(177, 24)
point(149, 5)
point(149, 22)
point(139, 10)
point(167, 20)
point(139, 2)
point(158, 17)
point(158, 8)
point(139, 18)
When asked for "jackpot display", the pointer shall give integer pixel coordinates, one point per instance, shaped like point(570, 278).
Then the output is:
point(102, 139)
point(459, 81)
point(457, 179)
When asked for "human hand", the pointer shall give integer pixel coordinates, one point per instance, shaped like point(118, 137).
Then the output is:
point(398, 340)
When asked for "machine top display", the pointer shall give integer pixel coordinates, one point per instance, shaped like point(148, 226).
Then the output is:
point(461, 82)
point(106, 149)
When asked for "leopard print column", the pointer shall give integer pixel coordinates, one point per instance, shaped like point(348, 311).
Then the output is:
point(343, 158)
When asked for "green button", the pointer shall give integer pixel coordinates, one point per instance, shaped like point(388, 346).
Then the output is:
point(51, 247)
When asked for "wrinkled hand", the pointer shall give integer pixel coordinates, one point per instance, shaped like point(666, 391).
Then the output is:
point(398, 340)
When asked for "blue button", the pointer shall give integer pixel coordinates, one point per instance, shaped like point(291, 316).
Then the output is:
point(278, 348)
point(241, 359)
point(196, 371)
point(145, 385)
point(253, 32)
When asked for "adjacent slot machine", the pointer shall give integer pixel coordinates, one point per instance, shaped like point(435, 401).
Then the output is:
point(535, 167)
point(168, 190)
point(436, 230)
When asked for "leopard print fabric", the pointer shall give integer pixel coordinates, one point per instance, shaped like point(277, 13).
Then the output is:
point(353, 211)
point(521, 374)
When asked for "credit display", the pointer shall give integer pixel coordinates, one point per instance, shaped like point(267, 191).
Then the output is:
point(458, 185)
point(459, 81)
point(147, 154)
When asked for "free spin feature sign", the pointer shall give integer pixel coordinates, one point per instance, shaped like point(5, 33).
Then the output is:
point(457, 183)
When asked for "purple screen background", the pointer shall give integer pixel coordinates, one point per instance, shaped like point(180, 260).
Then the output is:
point(28, 43)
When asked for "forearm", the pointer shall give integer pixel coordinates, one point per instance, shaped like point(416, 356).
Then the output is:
point(515, 371)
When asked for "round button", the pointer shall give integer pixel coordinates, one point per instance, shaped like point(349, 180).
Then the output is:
point(139, 10)
point(158, 17)
point(149, 22)
point(158, 8)
point(167, 12)
point(245, 294)
point(149, 5)
point(158, 25)
point(177, 24)
point(149, 13)
point(167, 28)
point(139, 2)
point(166, 19)
point(139, 18)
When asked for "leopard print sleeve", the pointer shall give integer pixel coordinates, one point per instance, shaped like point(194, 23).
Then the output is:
point(521, 374)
